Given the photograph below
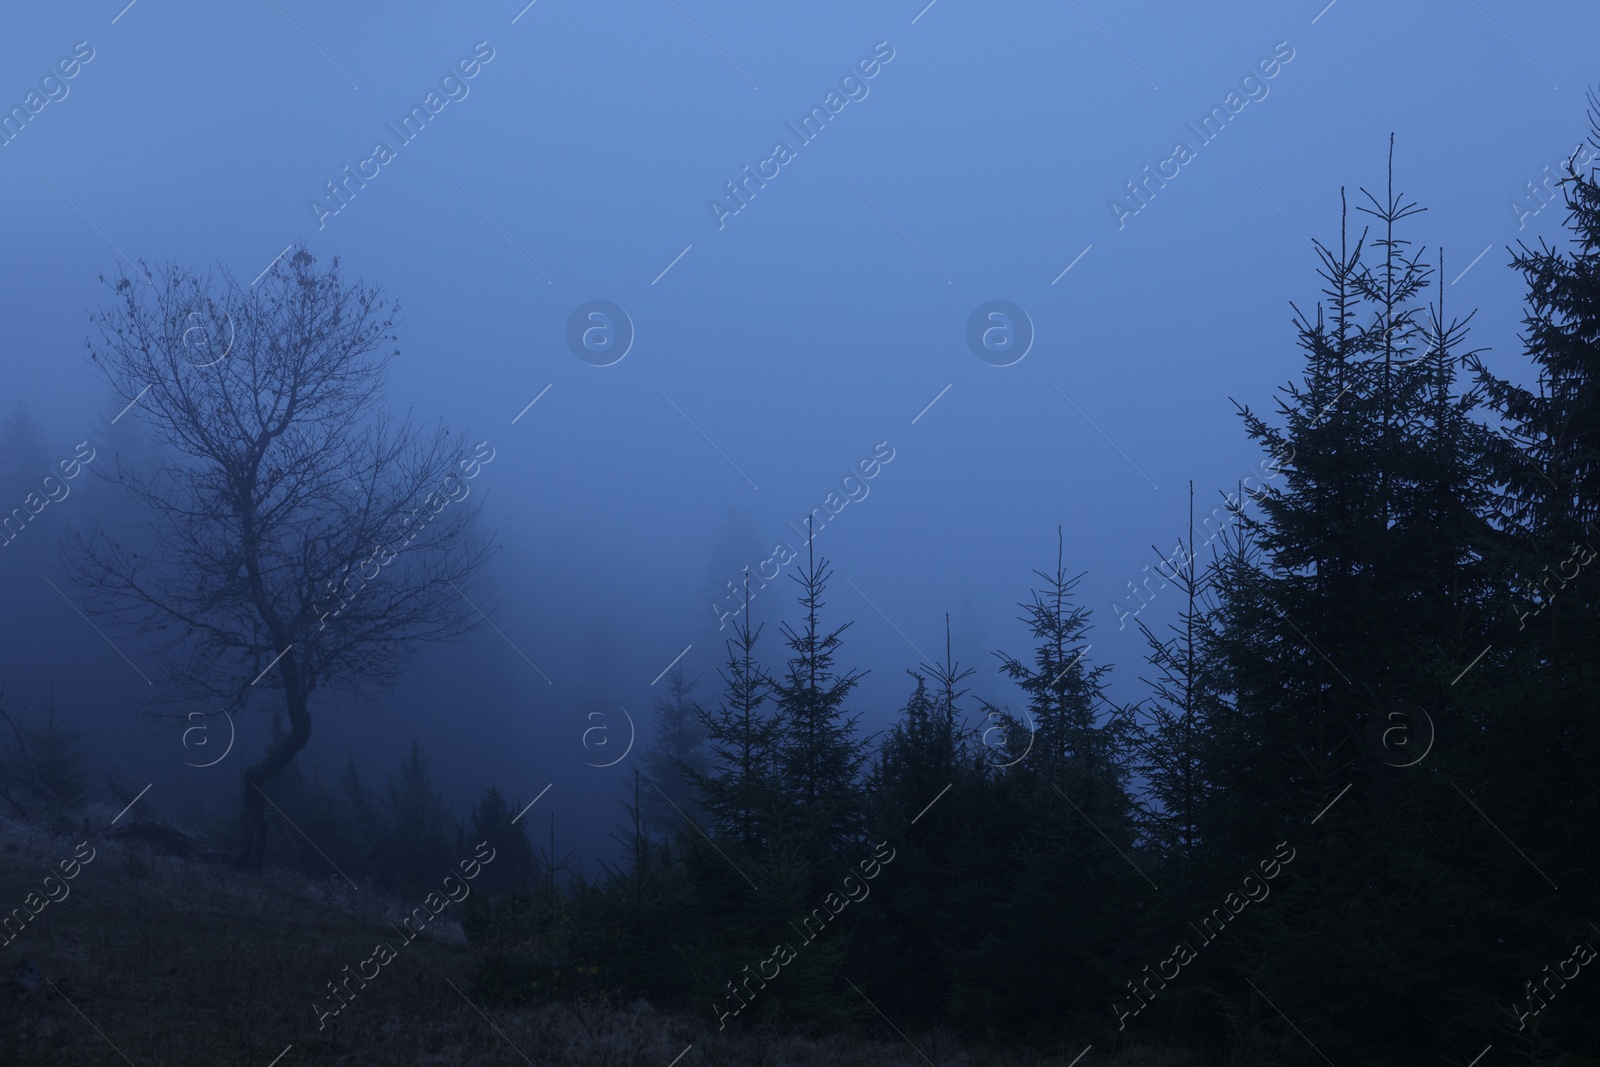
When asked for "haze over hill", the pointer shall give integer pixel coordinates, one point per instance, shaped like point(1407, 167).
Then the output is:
point(566, 426)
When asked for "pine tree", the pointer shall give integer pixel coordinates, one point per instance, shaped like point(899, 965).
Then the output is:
point(1553, 479)
point(58, 759)
point(736, 789)
point(1061, 819)
point(514, 867)
point(819, 757)
point(926, 750)
point(676, 754)
point(41, 767)
point(924, 792)
point(357, 795)
point(645, 907)
point(1184, 701)
point(1072, 749)
point(1537, 736)
point(420, 838)
point(1359, 587)
point(355, 798)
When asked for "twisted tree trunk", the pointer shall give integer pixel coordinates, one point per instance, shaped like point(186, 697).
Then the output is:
point(253, 799)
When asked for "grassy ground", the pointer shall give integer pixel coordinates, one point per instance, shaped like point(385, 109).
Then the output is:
point(151, 960)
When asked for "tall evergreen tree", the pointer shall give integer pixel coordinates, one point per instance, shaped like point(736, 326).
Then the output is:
point(58, 758)
point(1059, 812)
point(420, 839)
point(356, 798)
point(676, 753)
point(1072, 748)
point(513, 867)
point(926, 798)
point(746, 879)
point(1538, 732)
point(41, 767)
point(1360, 587)
point(819, 756)
point(737, 789)
point(1184, 700)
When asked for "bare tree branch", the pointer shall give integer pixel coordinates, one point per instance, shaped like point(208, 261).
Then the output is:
point(298, 536)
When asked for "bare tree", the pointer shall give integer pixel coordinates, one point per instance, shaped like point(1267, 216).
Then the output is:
point(283, 483)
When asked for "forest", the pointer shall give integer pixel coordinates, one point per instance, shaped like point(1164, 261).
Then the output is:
point(1352, 818)
point(478, 616)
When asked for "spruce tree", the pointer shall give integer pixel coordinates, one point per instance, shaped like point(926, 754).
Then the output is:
point(57, 756)
point(1183, 702)
point(1072, 749)
point(1538, 733)
point(736, 788)
point(355, 797)
point(1358, 587)
point(819, 758)
point(420, 838)
point(676, 753)
point(513, 867)
point(1061, 817)
point(925, 796)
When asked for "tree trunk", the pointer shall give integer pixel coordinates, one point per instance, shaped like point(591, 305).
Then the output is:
point(253, 801)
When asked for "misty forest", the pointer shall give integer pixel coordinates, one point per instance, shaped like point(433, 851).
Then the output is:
point(404, 663)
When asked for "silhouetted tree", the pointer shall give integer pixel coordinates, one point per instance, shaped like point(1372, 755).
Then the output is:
point(420, 836)
point(927, 800)
point(1537, 737)
point(58, 759)
point(41, 767)
point(1063, 831)
point(284, 484)
point(1358, 587)
point(513, 867)
point(676, 753)
point(818, 755)
point(737, 789)
point(1184, 700)
point(1072, 748)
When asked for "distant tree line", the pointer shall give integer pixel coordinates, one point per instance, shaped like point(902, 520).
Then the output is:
point(1364, 764)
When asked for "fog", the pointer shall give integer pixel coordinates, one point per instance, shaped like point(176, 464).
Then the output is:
point(784, 334)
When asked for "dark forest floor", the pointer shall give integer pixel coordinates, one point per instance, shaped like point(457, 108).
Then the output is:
point(153, 960)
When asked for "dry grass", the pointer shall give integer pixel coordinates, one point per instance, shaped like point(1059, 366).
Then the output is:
point(156, 961)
